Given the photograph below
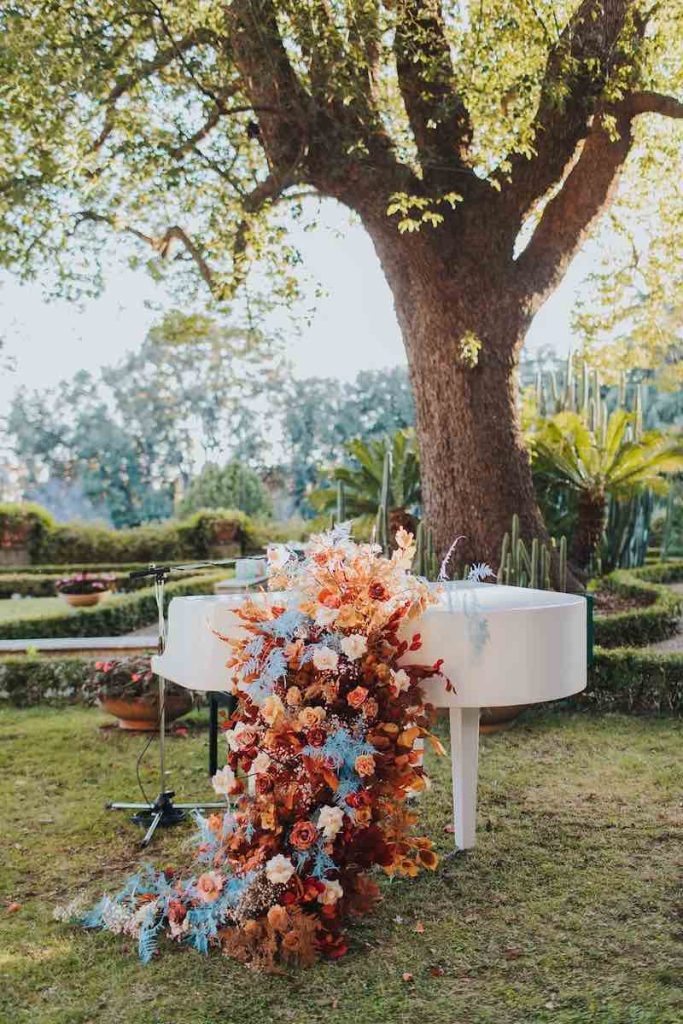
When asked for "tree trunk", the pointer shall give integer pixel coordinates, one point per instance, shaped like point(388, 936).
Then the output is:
point(474, 466)
point(592, 508)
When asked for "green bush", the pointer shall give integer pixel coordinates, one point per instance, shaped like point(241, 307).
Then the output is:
point(657, 620)
point(31, 679)
point(43, 585)
point(78, 544)
point(108, 619)
point(637, 682)
point(23, 524)
point(661, 572)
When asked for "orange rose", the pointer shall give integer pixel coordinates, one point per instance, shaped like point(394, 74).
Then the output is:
point(365, 764)
point(377, 591)
point(291, 941)
point(356, 697)
point(278, 918)
point(329, 599)
point(303, 835)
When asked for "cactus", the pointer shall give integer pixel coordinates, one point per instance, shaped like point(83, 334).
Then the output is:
point(425, 563)
point(383, 512)
point(341, 502)
point(531, 566)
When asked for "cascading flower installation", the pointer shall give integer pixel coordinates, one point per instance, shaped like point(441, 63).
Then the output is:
point(322, 756)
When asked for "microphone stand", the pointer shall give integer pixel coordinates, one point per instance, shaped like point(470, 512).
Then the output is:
point(163, 812)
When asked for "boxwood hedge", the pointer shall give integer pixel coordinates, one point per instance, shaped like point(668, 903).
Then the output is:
point(657, 619)
point(107, 619)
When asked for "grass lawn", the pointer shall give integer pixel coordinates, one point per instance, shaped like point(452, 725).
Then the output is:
point(563, 913)
point(28, 607)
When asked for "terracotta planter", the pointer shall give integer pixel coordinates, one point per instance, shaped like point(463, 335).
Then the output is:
point(492, 720)
point(83, 600)
point(141, 715)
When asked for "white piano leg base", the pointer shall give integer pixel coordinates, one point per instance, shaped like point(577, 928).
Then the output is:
point(464, 723)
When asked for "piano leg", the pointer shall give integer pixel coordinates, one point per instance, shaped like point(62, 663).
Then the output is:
point(464, 723)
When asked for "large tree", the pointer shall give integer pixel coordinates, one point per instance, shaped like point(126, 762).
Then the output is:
point(477, 142)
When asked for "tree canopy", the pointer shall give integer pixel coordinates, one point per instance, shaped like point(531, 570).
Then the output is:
point(182, 127)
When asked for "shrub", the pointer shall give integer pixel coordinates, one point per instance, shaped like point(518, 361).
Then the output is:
point(24, 525)
point(658, 620)
point(113, 619)
point(661, 572)
point(28, 680)
point(637, 682)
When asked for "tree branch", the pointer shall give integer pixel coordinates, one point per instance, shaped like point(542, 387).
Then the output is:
point(271, 84)
point(161, 244)
point(438, 117)
point(162, 59)
point(570, 95)
point(586, 192)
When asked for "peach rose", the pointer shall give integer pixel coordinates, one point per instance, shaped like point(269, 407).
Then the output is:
point(272, 708)
point(209, 886)
point(310, 717)
point(293, 696)
point(356, 698)
point(370, 708)
point(365, 764)
point(329, 599)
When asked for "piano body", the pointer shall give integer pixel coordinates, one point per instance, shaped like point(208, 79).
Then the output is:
point(500, 646)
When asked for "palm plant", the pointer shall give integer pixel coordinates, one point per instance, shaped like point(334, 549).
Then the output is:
point(362, 480)
point(609, 460)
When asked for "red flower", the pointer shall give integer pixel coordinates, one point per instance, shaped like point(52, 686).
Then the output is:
point(377, 591)
point(316, 737)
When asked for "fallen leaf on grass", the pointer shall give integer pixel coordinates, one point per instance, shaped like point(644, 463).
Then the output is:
point(513, 953)
point(407, 976)
point(13, 908)
point(419, 928)
point(450, 829)
point(436, 971)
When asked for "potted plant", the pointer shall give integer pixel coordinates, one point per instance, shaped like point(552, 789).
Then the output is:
point(83, 589)
point(127, 689)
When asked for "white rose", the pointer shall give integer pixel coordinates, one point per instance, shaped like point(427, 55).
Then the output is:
point(354, 646)
point(400, 680)
point(331, 893)
point(330, 820)
point(223, 781)
point(279, 870)
point(325, 659)
point(232, 735)
point(326, 616)
point(261, 763)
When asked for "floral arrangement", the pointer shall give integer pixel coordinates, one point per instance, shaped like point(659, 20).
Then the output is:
point(84, 583)
point(322, 755)
point(127, 679)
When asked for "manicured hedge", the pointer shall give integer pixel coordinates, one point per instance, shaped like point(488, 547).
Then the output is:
point(661, 572)
point(635, 681)
point(43, 584)
point(28, 680)
point(108, 619)
point(658, 619)
point(625, 680)
point(198, 536)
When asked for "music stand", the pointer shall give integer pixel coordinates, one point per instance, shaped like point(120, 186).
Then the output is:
point(163, 812)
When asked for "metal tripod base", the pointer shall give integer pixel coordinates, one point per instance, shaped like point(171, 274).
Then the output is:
point(162, 813)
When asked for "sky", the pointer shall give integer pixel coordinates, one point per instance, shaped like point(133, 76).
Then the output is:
point(353, 329)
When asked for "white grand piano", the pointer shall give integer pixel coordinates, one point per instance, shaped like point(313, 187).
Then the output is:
point(500, 645)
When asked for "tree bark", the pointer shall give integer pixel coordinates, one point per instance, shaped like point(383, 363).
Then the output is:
point(474, 466)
